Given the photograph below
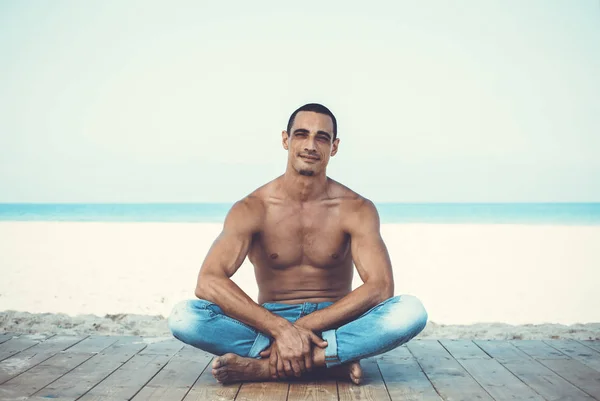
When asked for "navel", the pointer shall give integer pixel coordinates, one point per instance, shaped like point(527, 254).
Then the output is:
point(274, 256)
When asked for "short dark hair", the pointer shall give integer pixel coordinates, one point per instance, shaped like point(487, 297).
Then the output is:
point(317, 108)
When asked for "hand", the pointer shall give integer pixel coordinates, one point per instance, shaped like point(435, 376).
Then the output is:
point(291, 352)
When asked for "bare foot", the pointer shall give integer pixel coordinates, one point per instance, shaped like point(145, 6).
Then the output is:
point(352, 370)
point(234, 368)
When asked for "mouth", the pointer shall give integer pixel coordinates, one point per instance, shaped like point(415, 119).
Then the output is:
point(309, 158)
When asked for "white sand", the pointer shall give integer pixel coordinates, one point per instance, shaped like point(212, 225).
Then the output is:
point(464, 274)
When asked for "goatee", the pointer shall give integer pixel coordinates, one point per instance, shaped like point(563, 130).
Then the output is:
point(307, 173)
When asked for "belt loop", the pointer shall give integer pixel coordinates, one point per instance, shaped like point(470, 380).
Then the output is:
point(308, 308)
point(303, 311)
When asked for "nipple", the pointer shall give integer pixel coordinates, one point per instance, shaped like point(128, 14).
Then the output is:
point(335, 256)
point(274, 256)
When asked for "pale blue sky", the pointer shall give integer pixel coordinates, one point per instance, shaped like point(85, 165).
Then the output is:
point(184, 101)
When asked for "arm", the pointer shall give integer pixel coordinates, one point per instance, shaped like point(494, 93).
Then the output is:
point(224, 258)
point(372, 262)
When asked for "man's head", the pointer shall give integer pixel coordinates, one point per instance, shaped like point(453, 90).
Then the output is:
point(316, 108)
point(310, 139)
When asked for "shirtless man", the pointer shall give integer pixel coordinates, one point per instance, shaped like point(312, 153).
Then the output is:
point(303, 232)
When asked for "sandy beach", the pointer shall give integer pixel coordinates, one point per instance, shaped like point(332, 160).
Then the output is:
point(481, 281)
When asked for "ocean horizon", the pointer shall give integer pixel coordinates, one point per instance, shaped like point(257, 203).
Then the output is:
point(397, 212)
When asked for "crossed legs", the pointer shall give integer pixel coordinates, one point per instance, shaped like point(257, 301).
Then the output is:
point(203, 324)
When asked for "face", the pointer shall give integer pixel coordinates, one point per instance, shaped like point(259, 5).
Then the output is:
point(310, 143)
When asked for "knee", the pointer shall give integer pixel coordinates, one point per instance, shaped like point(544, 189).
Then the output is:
point(179, 320)
point(407, 311)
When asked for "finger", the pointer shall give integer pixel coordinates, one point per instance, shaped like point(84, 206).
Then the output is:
point(296, 367)
point(318, 341)
point(287, 366)
point(308, 362)
point(280, 369)
point(265, 353)
point(273, 365)
point(307, 357)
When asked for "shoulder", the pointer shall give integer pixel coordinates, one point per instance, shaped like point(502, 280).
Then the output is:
point(246, 215)
point(355, 209)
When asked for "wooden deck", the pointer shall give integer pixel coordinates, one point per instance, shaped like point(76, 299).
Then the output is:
point(135, 368)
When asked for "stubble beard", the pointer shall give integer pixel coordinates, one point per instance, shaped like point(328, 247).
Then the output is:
point(306, 173)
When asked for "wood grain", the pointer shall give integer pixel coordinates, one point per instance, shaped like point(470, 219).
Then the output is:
point(450, 379)
point(80, 380)
point(541, 379)
point(405, 380)
point(371, 388)
point(176, 379)
point(25, 360)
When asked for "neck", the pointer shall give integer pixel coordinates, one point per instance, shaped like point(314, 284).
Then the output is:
point(303, 188)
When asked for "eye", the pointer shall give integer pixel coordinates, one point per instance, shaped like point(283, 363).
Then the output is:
point(322, 139)
point(300, 134)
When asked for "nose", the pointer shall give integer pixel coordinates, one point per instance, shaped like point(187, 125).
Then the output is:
point(309, 144)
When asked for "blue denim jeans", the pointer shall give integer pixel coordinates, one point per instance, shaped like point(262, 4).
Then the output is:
point(393, 322)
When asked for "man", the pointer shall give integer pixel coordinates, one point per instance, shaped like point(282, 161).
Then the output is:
point(303, 232)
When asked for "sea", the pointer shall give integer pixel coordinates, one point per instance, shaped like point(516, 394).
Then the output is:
point(429, 213)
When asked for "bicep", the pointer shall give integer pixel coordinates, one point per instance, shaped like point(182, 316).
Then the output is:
point(230, 248)
point(227, 253)
point(369, 253)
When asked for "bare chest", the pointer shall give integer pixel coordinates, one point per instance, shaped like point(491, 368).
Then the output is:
point(293, 237)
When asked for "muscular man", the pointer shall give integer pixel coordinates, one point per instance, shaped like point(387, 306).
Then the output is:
point(303, 232)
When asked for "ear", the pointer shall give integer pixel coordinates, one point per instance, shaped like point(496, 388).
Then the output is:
point(334, 146)
point(284, 139)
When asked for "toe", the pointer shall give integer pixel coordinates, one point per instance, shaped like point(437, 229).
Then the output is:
point(216, 363)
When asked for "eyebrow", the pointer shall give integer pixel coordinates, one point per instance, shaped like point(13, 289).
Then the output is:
point(324, 133)
point(305, 131)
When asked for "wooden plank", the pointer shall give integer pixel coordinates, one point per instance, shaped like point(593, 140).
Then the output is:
point(501, 350)
point(576, 373)
point(93, 344)
point(84, 377)
point(36, 398)
point(29, 382)
point(498, 381)
point(321, 390)
point(578, 351)
point(17, 344)
point(405, 380)
point(464, 349)
point(541, 379)
point(593, 344)
point(371, 388)
point(395, 354)
point(174, 381)
point(125, 343)
point(24, 360)
point(161, 346)
point(538, 349)
point(5, 337)
point(448, 377)
point(126, 381)
point(191, 353)
point(207, 388)
point(263, 391)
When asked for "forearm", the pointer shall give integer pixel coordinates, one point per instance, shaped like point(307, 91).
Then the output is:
point(235, 303)
point(349, 307)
